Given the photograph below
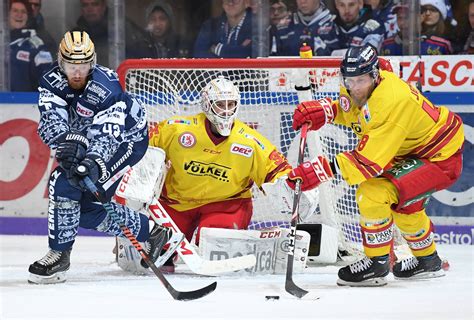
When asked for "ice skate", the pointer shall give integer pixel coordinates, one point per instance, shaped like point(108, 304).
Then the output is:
point(51, 268)
point(419, 268)
point(368, 272)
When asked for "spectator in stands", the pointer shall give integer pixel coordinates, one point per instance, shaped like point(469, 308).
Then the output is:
point(382, 11)
point(29, 58)
point(227, 36)
point(356, 26)
point(431, 42)
point(393, 46)
point(433, 38)
point(36, 21)
point(94, 20)
point(160, 41)
point(279, 18)
point(469, 44)
point(312, 24)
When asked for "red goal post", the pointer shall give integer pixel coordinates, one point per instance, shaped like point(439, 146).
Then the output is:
point(170, 87)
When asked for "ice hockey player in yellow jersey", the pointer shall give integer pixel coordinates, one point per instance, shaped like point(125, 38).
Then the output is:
point(408, 148)
point(215, 159)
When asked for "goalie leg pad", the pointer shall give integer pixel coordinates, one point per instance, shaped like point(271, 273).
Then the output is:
point(128, 258)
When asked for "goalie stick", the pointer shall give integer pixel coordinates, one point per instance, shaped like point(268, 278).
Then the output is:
point(177, 295)
point(290, 285)
point(187, 252)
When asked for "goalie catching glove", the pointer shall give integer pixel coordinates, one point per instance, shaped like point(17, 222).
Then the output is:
point(72, 149)
point(311, 174)
point(317, 113)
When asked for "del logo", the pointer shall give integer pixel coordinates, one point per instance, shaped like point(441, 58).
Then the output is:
point(187, 140)
point(83, 111)
point(203, 169)
point(344, 102)
point(242, 150)
point(23, 55)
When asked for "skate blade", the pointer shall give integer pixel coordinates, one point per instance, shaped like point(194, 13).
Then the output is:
point(425, 275)
point(375, 282)
point(58, 277)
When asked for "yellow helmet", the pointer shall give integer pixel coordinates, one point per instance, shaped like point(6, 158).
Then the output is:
point(76, 47)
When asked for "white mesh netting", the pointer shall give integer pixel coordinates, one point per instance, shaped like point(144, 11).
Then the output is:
point(268, 98)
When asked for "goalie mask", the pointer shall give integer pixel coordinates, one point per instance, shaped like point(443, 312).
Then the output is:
point(76, 54)
point(220, 100)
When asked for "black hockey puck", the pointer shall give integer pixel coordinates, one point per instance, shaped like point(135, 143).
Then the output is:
point(272, 297)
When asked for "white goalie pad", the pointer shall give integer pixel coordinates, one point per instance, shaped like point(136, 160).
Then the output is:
point(283, 195)
point(145, 178)
point(128, 258)
point(270, 247)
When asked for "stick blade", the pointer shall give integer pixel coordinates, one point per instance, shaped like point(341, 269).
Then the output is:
point(294, 290)
point(193, 295)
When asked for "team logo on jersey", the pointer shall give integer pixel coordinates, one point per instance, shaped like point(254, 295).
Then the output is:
point(366, 112)
point(83, 111)
point(202, 169)
point(242, 150)
point(344, 102)
point(356, 126)
point(179, 121)
point(260, 144)
point(23, 55)
point(187, 140)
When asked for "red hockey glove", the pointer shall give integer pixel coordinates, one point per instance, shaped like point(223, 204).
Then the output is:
point(311, 174)
point(317, 113)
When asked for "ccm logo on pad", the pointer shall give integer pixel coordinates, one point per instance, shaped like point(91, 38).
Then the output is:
point(242, 150)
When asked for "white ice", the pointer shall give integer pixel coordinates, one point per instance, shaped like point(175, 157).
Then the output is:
point(97, 289)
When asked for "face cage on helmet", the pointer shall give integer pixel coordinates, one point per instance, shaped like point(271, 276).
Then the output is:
point(223, 124)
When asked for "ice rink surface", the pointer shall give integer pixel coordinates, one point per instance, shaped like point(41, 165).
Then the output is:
point(98, 289)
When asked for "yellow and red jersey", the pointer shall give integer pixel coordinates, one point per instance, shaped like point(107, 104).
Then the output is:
point(206, 169)
point(396, 121)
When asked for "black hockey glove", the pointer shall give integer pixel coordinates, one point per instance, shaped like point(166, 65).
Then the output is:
point(72, 150)
point(95, 169)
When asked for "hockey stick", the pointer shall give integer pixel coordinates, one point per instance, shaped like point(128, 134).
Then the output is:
point(189, 255)
point(290, 285)
point(177, 295)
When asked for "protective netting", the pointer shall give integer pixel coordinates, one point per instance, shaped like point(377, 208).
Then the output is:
point(268, 99)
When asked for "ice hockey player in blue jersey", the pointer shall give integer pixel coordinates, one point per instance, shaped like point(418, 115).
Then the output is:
point(90, 121)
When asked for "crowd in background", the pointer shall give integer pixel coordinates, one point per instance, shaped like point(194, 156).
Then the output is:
point(328, 26)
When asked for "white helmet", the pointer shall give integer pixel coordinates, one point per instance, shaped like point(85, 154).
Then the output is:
point(221, 114)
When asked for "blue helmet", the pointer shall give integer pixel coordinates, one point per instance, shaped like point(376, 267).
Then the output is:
point(360, 60)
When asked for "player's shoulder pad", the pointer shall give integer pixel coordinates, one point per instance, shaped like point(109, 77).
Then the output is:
point(102, 86)
point(54, 80)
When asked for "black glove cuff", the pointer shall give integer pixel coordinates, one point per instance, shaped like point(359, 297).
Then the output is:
point(74, 136)
point(100, 165)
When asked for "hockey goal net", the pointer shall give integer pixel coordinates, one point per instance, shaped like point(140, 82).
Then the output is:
point(169, 87)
